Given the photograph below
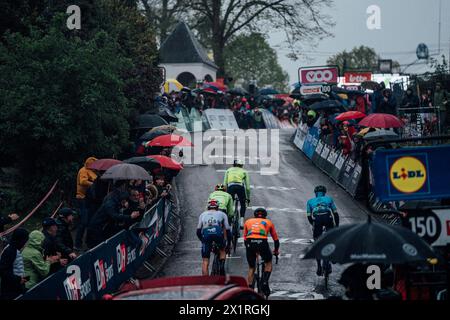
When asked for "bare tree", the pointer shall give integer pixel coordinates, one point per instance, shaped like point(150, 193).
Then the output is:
point(302, 20)
point(162, 14)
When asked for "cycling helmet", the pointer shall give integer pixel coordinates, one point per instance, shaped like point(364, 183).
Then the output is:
point(238, 163)
point(220, 187)
point(213, 204)
point(312, 114)
point(320, 189)
point(260, 213)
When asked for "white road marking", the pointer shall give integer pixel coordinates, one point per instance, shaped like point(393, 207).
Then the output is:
point(287, 210)
point(274, 188)
point(278, 294)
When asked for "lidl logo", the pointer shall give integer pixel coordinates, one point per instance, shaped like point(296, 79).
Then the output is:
point(408, 175)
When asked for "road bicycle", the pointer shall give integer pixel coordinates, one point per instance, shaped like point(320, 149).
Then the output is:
point(215, 270)
point(235, 228)
point(257, 279)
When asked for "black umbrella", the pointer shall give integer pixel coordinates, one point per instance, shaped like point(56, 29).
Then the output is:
point(144, 162)
point(126, 171)
point(381, 135)
point(371, 85)
point(166, 114)
point(238, 92)
point(148, 121)
point(370, 242)
point(148, 136)
point(332, 105)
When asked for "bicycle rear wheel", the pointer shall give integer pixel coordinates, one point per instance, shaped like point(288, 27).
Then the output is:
point(235, 233)
point(215, 271)
point(326, 272)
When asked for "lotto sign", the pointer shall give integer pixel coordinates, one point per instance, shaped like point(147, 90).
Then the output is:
point(318, 75)
point(357, 77)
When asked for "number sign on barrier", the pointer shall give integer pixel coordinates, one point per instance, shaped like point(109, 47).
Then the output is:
point(433, 226)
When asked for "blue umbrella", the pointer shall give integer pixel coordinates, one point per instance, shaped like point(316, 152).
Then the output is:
point(268, 92)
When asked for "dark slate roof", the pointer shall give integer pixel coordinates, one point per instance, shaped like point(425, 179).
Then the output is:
point(182, 47)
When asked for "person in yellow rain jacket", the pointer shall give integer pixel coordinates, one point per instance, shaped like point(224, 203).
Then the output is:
point(85, 179)
point(237, 182)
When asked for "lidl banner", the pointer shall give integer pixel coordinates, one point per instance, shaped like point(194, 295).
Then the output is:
point(412, 173)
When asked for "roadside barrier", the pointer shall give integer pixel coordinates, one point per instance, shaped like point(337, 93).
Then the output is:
point(340, 168)
point(104, 268)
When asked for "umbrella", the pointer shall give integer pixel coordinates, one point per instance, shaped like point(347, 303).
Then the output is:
point(186, 89)
point(167, 162)
point(169, 140)
point(104, 164)
point(328, 105)
point(144, 162)
point(370, 242)
point(381, 134)
point(238, 92)
point(350, 115)
point(168, 128)
point(371, 85)
point(381, 120)
point(126, 171)
point(148, 121)
point(148, 136)
point(172, 85)
point(216, 86)
point(167, 115)
point(268, 92)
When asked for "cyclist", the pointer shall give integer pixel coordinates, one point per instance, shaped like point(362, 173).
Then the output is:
point(225, 201)
point(212, 228)
point(256, 232)
point(237, 181)
point(321, 213)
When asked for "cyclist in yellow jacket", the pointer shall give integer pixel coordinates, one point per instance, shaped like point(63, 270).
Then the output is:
point(225, 201)
point(237, 182)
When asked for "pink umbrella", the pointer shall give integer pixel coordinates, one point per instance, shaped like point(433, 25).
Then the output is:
point(169, 140)
point(104, 164)
point(382, 121)
point(350, 115)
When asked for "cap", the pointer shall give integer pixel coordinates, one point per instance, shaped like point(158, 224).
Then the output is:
point(65, 212)
point(48, 222)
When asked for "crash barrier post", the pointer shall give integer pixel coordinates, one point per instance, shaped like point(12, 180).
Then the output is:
point(104, 268)
point(342, 169)
point(420, 122)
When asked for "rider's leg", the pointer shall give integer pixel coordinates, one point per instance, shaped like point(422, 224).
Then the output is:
point(250, 277)
point(205, 267)
point(242, 201)
point(222, 257)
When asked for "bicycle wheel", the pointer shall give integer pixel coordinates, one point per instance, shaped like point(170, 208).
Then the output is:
point(235, 233)
point(216, 263)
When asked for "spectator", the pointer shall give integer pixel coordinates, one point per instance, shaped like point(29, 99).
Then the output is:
point(95, 195)
point(64, 238)
point(36, 267)
point(136, 204)
point(151, 194)
point(441, 101)
point(105, 222)
point(85, 179)
point(12, 272)
point(7, 220)
point(163, 187)
point(50, 245)
point(361, 104)
point(258, 121)
point(387, 104)
point(377, 97)
point(410, 100)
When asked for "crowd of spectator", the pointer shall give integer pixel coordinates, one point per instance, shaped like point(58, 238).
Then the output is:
point(103, 208)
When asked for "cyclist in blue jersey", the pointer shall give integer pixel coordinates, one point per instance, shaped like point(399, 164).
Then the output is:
point(322, 213)
point(212, 228)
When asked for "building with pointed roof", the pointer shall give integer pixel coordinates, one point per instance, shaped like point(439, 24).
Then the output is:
point(185, 59)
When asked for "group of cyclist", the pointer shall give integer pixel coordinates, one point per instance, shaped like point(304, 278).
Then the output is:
point(214, 225)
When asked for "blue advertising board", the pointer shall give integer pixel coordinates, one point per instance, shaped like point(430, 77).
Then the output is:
point(412, 173)
point(311, 142)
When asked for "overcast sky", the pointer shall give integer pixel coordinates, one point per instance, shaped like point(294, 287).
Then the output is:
point(404, 24)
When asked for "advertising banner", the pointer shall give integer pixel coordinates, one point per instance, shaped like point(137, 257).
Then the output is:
point(221, 119)
point(311, 142)
point(319, 75)
point(432, 225)
point(357, 77)
point(412, 173)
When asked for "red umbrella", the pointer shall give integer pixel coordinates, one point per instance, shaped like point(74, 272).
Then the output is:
point(104, 164)
point(216, 84)
point(350, 115)
point(382, 121)
point(167, 162)
point(169, 140)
